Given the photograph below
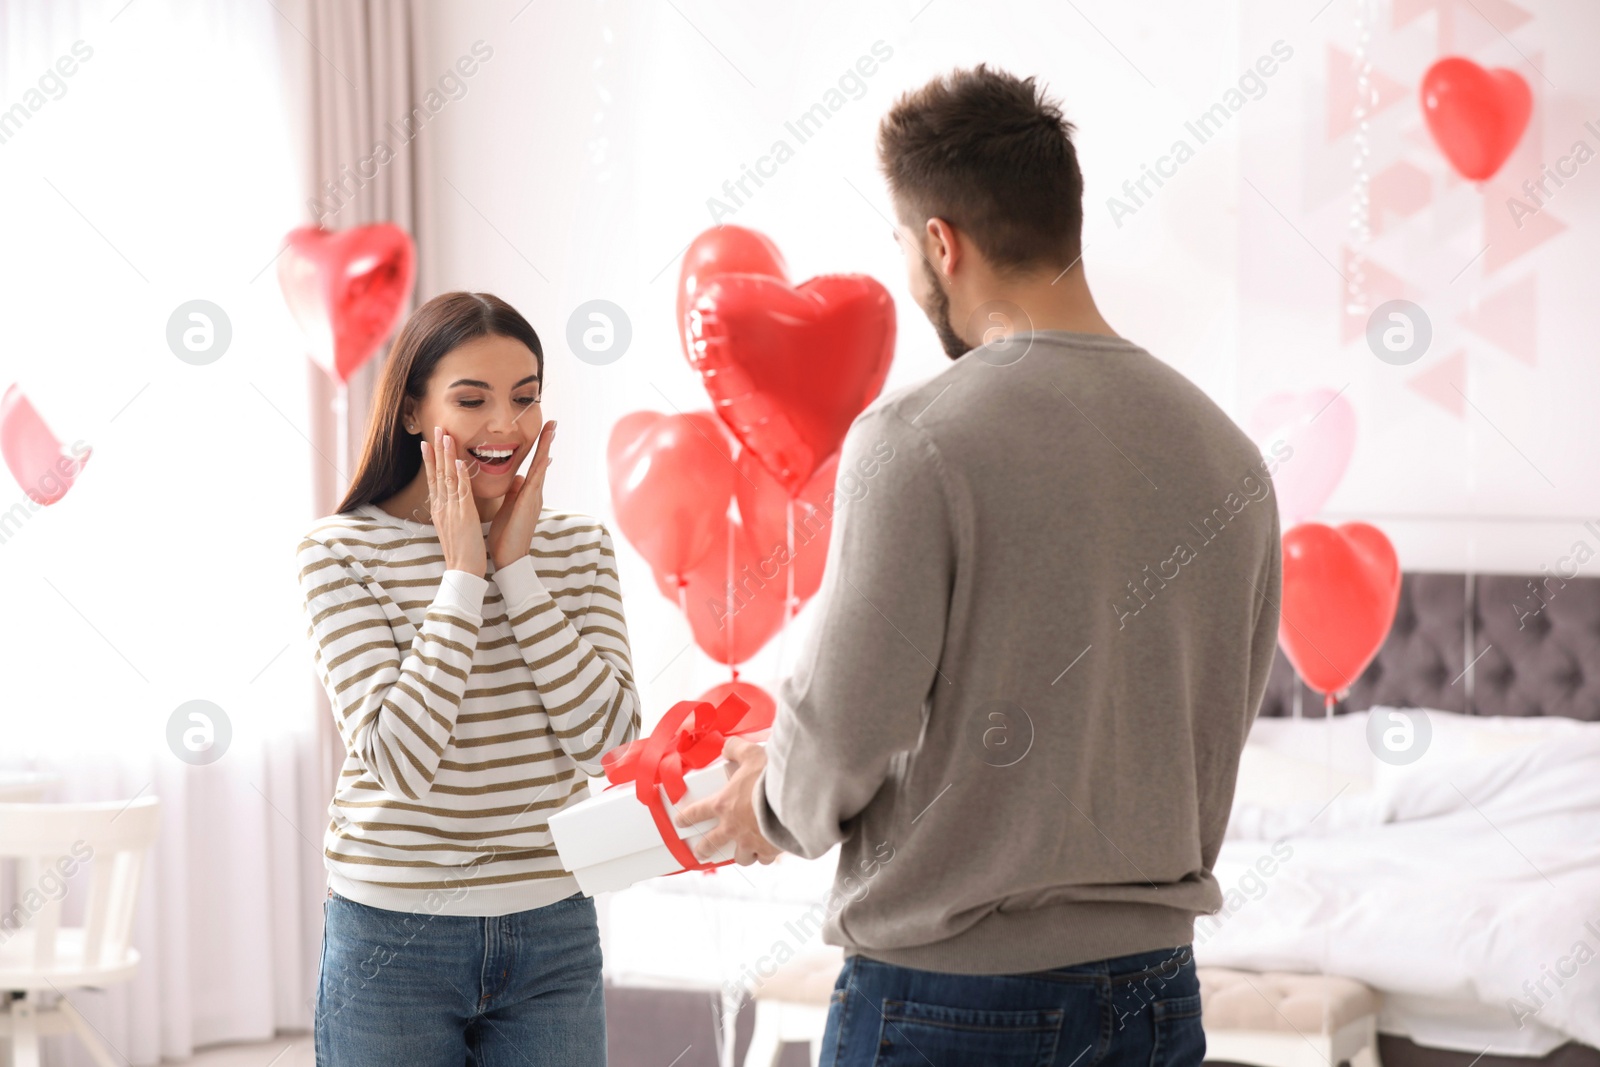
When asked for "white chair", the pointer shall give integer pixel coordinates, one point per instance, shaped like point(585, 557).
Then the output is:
point(1279, 1019)
point(792, 1005)
point(37, 954)
point(24, 787)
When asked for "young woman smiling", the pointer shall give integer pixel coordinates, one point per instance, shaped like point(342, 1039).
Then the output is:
point(474, 650)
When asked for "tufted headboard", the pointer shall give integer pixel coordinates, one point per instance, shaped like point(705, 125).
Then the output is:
point(1534, 650)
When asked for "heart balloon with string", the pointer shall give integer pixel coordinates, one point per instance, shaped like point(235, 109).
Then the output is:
point(732, 626)
point(764, 510)
point(723, 250)
point(730, 622)
point(1475, 116)
point(347, 290)
point(1317, 429)
point(671, 479)
point(788, 367)
point(1341, 585)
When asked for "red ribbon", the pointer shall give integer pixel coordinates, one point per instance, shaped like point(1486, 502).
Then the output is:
point(673, 748)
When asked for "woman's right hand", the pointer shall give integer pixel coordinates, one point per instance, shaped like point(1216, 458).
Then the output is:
point(452, 507)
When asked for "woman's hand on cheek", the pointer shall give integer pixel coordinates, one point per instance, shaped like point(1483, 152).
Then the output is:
point(450, 505)
point(511, 529)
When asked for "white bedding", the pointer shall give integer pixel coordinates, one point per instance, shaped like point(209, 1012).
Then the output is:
point(1432, 896)
point(1446, 884)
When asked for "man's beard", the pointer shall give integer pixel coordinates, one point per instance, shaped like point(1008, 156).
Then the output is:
point(938, 311)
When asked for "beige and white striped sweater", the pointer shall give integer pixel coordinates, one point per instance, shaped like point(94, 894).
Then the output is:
point(468, 706)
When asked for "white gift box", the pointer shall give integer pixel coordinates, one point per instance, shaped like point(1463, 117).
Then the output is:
point(610, 841)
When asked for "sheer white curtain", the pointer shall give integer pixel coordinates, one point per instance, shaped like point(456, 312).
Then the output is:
point(165, 168)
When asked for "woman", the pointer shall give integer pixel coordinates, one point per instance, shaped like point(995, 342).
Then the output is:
point(474, 650)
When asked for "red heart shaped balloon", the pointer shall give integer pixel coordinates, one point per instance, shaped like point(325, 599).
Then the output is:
point(1476, 116)
point(1340, 589)
point(761, 546)
point(729, 625)
point(762, 706)
point(724, 250)
point(789, 368)
point(671, 480)
point(347, 290)
point(763, 508)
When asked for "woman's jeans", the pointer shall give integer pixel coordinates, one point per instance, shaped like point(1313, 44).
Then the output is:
point(404, 989)
point(1133, 1011)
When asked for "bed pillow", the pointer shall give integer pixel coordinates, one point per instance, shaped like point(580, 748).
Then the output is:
point(1455, 737)
point(1273, 780)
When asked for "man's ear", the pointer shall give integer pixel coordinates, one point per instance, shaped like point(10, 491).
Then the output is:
point(945, 246)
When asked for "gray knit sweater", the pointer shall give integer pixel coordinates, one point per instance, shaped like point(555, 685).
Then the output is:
point(1045, 626)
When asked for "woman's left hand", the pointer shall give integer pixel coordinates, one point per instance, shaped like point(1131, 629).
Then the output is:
point(511, 529)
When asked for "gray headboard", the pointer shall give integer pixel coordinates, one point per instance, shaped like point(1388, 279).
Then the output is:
point(1534, 650)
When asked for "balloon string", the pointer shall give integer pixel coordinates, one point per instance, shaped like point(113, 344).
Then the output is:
point(1360, 219)
point(788, 597)
point(683, 602)
point(728, 590)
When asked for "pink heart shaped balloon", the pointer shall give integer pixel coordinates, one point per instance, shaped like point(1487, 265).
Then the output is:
point(43, 470)
point(1319, 429)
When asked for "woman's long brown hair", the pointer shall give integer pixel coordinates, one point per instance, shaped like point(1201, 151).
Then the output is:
point(390, 457)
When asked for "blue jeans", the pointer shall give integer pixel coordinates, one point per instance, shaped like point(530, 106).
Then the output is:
point(1132, 1011)
point(402, 988)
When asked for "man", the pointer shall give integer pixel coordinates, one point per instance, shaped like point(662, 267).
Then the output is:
point(1045, 629)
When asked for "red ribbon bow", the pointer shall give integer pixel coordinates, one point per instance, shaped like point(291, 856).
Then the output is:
point(673, 748)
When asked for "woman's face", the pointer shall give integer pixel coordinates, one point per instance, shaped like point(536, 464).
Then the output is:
point(485, 394)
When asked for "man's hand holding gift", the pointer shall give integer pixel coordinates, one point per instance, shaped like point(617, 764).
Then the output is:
point(734, 808)
point(703, 756)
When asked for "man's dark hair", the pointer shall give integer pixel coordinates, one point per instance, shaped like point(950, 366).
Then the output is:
point(992, 156)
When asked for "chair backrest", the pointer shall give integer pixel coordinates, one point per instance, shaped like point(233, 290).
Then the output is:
point(50, 842)
point(24, 787)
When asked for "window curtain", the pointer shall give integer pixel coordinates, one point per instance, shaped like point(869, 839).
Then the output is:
point(188, 138)
point(355, 65)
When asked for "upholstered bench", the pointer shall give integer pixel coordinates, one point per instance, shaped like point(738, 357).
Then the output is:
point(1274, 1019)
point(792, 1005)
point(1279, 1019)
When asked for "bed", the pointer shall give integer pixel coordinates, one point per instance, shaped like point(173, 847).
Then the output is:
point(1464, 885)
point(1510, 683)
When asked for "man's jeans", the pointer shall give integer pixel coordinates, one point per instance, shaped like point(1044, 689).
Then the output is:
point(1133, 1011)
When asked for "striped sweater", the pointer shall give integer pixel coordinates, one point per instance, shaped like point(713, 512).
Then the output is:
point(467, 705)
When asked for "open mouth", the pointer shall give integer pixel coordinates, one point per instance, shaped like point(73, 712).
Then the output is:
point(493, 460)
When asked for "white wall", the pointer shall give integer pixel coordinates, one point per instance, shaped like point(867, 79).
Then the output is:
point(1479, 456)
point(163, 170)
point(594, 136)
